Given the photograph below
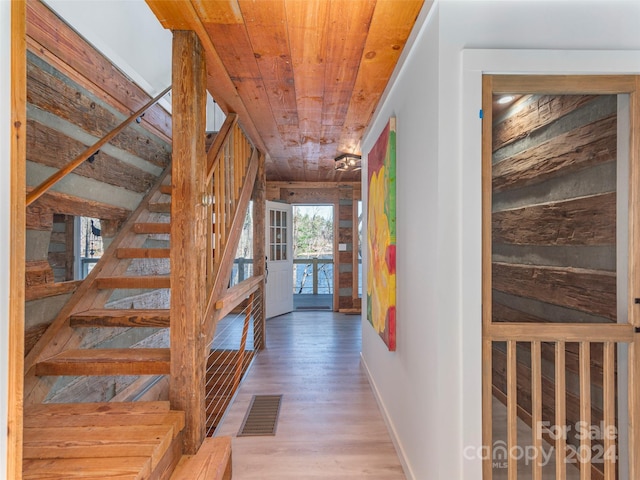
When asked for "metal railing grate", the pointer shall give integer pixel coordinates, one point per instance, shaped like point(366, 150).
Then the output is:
point(262, 416)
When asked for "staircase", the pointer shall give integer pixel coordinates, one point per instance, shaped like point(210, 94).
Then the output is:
point(102, 440)
point(115, 280)
point(127, 439)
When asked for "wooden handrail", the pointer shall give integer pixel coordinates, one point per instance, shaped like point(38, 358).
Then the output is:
point(236, 294)
point(63, 172)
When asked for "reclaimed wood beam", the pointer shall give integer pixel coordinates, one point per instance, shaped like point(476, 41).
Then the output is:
point(591, 291)
point(580, 221)
point(188, 236)
point(51, 39)
point(259, 254)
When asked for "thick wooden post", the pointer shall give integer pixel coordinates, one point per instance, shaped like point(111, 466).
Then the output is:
point(259, 212)
point(188, 236)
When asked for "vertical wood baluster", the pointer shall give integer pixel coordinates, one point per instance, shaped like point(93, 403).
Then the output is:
point(584, 455)
point(536, 405)
point(561, 413)
point(512, 410)
point(609, 413)
point(487, 410)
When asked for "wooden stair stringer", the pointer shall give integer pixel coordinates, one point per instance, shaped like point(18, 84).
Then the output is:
point(60, 335)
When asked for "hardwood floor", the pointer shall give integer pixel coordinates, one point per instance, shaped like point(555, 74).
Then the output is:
point(329, 425)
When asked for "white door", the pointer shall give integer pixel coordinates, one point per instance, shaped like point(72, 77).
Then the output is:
point(279, 251)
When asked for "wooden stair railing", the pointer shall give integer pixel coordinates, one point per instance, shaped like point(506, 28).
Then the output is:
point(41, 189)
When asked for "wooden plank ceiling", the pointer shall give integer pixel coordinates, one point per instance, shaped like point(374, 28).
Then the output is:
point(304, 76)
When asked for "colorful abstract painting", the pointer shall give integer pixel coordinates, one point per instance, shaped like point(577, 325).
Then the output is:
point(381, 236)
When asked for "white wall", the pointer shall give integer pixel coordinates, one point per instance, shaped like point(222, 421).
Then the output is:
point(5, 168)
point(407, 380)
point(139, 45)
point(126, 32)
point(430, 388)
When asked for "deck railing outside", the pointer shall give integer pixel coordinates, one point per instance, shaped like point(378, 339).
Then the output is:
point(312, 276)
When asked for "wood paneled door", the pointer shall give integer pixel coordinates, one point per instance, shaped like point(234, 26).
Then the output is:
point(561, 276)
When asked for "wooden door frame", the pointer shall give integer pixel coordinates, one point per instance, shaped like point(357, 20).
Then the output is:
point(17, 238)
point(564, 84)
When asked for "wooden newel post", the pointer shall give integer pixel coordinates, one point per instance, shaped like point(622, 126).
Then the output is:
point(188, 236)
point(259, 212)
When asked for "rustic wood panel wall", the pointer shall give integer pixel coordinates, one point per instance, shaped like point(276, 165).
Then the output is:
point(74, 97)
point(554, 232)
point(342, 196)
point(61, 255)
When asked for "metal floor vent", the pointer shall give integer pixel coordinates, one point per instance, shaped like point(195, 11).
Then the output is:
point(262, 416)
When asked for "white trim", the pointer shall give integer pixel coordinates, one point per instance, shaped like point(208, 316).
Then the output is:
point(385, 416)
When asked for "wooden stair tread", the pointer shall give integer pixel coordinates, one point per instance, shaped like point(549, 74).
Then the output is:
point(129, 468)
point(157, 228)
point(99, 442)
point(143, 252)
point(147, 281)
point(119, 361)
point(93, 408)
point(165, 189)
point(212, 462)
point(128, 440)
point(172, 418)
point(121, 318)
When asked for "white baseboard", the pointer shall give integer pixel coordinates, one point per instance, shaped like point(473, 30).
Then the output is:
point(385, 415)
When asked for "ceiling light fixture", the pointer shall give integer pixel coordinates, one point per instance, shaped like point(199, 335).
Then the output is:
point(348, 162)
point(505, 99)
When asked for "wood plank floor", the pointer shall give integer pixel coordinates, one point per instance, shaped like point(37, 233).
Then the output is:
point(330, 426)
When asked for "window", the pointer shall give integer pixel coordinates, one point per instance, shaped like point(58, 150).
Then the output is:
point(277, 235)
point(89, 246)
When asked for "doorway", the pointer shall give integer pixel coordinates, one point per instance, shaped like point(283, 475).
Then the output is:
point(559, 226)
point(279, 253)
point(313, 257)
